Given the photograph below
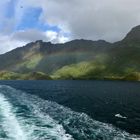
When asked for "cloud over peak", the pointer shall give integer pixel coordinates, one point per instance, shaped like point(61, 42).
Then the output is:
point(93, 19)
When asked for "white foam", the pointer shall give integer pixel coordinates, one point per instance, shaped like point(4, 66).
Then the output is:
point(120, 116)
point(10, 123)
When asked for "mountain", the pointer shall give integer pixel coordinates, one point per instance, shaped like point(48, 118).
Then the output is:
point(77, 59)
point(133, 35)
point(47, 57)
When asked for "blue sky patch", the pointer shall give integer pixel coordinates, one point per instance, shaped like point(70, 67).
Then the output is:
point(10, 8)
point(30, 20)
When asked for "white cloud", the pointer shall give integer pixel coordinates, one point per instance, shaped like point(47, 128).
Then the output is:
point(33, 35)
point(20, 38)
point(91, 19)
point(29, 35)
point(8, 43)
point(56, 37)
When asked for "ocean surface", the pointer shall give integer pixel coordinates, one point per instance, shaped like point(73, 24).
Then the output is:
point(69, 110)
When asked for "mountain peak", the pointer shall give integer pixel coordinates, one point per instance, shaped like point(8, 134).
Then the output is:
point(133, 35)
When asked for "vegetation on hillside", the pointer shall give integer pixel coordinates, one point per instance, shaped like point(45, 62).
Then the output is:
point(6, 75)
point(93, 70)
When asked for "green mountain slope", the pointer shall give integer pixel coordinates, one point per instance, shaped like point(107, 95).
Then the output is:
point(77, 59)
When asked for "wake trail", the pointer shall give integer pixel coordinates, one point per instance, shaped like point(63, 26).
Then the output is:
point(21, 122)
point(10, 124)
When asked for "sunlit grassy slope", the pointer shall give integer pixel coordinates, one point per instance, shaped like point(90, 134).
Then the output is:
point(94, 70)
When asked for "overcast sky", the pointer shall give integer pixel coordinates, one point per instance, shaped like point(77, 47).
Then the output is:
point(58, 21)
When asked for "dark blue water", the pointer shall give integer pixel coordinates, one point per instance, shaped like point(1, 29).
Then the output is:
point(81, 110)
